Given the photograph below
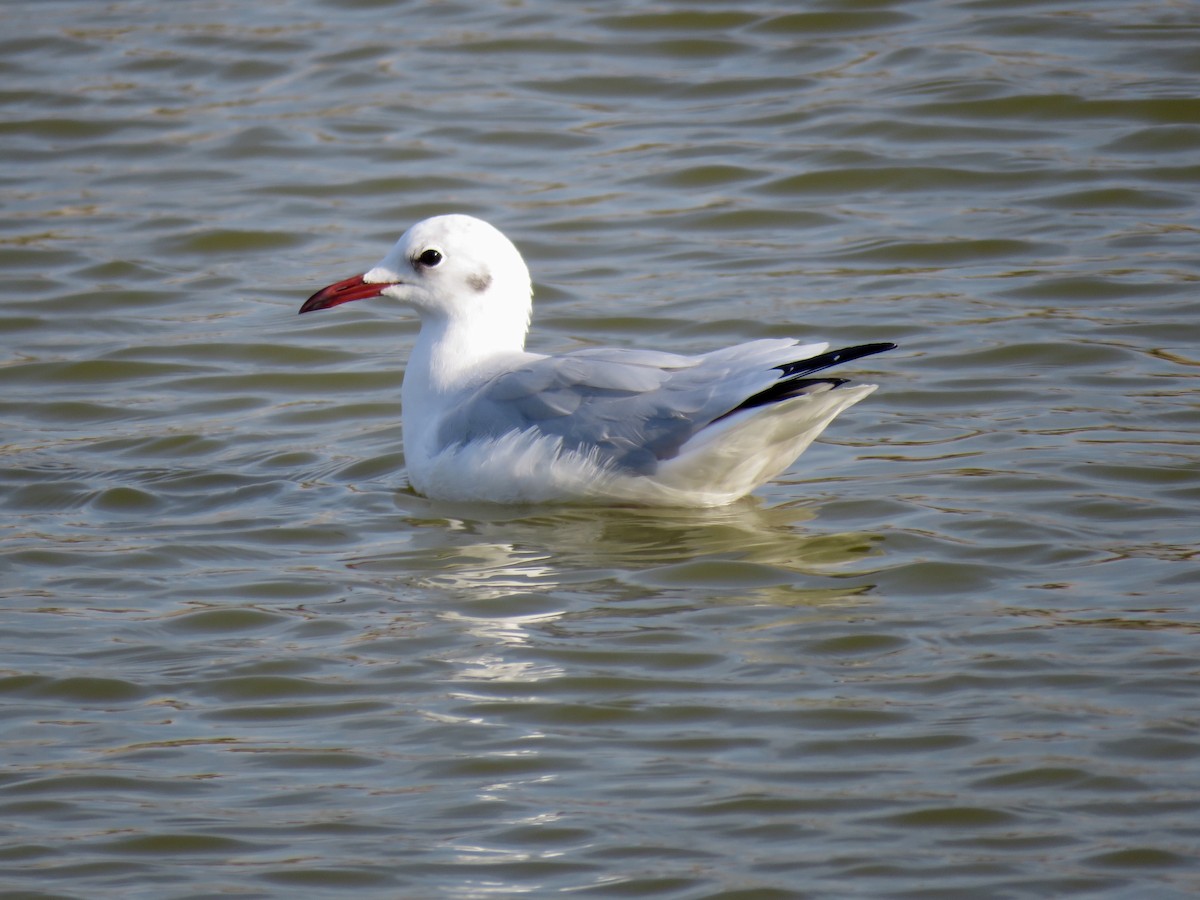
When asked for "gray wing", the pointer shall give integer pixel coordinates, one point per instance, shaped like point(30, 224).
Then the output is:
point(631, 408)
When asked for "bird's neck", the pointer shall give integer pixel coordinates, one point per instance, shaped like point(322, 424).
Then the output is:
point(445, 363)
point(452, 355)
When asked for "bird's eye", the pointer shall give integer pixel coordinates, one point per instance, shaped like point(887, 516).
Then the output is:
point(430, 258)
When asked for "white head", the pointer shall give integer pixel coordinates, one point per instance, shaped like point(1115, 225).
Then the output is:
point(456, 271)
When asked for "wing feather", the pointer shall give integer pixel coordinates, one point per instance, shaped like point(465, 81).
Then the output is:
point(629, 409)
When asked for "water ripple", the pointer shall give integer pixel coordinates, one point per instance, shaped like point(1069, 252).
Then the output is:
point(951, 652)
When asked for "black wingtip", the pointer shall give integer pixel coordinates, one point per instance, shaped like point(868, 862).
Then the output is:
point(802, 367)
point(795, 381)
point(784, 390)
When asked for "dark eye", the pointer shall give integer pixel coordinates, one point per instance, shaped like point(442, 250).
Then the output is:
point(430, 258)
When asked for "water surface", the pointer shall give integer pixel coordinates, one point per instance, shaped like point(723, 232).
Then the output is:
point(952, 652)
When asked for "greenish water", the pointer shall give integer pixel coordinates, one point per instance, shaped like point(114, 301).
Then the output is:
point(952, 653)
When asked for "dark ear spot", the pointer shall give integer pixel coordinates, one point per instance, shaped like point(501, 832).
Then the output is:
point(480, 281)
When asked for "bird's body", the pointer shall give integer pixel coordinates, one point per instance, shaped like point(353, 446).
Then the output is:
point(485, 420)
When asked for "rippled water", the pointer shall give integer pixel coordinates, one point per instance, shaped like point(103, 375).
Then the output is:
point(952, 653)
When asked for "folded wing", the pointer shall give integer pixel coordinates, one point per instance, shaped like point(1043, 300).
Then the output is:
point(633, 409)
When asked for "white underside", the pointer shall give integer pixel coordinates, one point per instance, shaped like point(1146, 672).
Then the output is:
point(722, 463)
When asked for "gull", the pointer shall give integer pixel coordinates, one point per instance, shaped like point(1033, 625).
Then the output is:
point(485, 420)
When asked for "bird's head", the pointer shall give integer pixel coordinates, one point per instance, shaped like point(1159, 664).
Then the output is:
point(447, 268)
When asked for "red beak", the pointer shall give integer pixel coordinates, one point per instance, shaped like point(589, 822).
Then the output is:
point(343, 292)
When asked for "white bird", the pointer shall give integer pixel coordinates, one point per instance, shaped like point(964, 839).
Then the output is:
point(485, 420)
